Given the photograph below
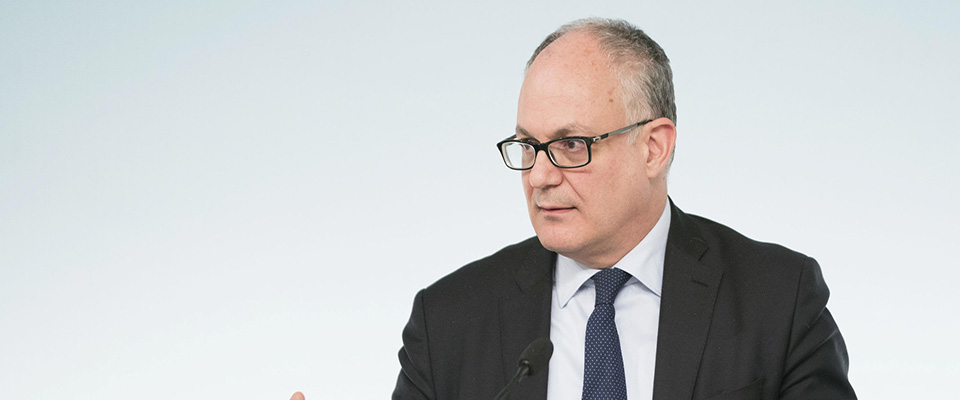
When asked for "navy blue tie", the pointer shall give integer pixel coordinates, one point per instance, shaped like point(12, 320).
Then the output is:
point(603, 377)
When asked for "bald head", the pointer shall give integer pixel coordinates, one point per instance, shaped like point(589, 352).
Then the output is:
point(571, 85)
point(640, 65)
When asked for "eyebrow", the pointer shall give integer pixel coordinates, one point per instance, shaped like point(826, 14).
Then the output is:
point(564, 131)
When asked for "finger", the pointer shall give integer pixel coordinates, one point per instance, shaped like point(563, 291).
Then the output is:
point(297, 396)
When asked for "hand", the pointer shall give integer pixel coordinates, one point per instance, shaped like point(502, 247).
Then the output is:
point(297, 396)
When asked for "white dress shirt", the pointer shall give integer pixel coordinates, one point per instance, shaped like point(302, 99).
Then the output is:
point(638, 315)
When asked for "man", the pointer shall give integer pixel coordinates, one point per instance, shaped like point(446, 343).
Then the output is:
point(640, 299)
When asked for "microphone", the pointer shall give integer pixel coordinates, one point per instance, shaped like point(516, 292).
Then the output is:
point(532, 360)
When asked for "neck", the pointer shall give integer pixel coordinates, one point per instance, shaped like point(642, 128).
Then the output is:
point(607, 257)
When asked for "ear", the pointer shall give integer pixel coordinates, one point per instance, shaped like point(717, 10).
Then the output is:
point(660, 143)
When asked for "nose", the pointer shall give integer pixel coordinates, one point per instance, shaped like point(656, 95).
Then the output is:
point(543, 173)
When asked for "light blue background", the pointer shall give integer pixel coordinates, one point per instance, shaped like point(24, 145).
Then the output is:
point(239, 200)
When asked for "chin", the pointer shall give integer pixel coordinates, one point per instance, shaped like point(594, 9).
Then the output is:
point(558, 241)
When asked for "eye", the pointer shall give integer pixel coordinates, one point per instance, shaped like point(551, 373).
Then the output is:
point(573, 145)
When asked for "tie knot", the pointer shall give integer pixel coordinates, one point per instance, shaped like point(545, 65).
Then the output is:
point(608, 283)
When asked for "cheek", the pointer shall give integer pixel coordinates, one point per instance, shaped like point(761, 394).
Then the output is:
point(525, 182)
point(606, 191)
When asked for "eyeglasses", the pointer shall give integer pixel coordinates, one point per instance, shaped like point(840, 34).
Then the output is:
point(567, 152)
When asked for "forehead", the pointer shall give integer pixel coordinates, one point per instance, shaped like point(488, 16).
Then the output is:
point(570, 89)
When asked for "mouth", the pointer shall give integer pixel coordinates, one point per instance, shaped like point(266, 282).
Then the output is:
point(555, 210)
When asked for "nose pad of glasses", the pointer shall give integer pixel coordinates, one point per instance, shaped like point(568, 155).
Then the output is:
point(547, 158)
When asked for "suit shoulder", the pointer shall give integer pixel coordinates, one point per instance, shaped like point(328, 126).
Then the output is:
point(728, 244)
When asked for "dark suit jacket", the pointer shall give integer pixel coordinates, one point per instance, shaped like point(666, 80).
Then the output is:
point(739, 319)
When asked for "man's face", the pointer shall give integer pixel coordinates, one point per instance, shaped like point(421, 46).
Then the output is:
point(596, 213)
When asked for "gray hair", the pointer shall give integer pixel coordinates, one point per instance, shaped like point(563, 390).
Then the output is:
point(639, 63)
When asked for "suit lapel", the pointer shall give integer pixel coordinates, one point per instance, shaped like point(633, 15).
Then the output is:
point(525, 316)
point(686, 308)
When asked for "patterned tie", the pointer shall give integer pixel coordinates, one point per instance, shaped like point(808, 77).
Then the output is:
point(603, 377)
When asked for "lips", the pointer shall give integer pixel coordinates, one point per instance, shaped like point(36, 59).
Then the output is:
point(554, 209)
point(554, 205)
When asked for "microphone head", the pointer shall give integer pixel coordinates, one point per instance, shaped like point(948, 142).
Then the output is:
point(536, 355)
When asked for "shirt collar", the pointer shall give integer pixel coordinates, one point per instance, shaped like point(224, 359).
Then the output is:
point(644, 263)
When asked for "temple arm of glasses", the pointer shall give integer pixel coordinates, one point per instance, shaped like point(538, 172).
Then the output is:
point(625, 129)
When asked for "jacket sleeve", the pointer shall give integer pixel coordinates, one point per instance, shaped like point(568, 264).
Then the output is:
point(816, 362)
point(415, 381)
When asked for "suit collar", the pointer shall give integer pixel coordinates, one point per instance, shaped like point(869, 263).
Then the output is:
point(535, 264)
point(686, 308)
point(525, 315)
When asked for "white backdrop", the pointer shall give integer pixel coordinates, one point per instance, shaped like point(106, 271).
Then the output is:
point(239, 200)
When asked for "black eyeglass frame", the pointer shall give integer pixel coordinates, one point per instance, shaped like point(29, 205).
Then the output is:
point(537, 147)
